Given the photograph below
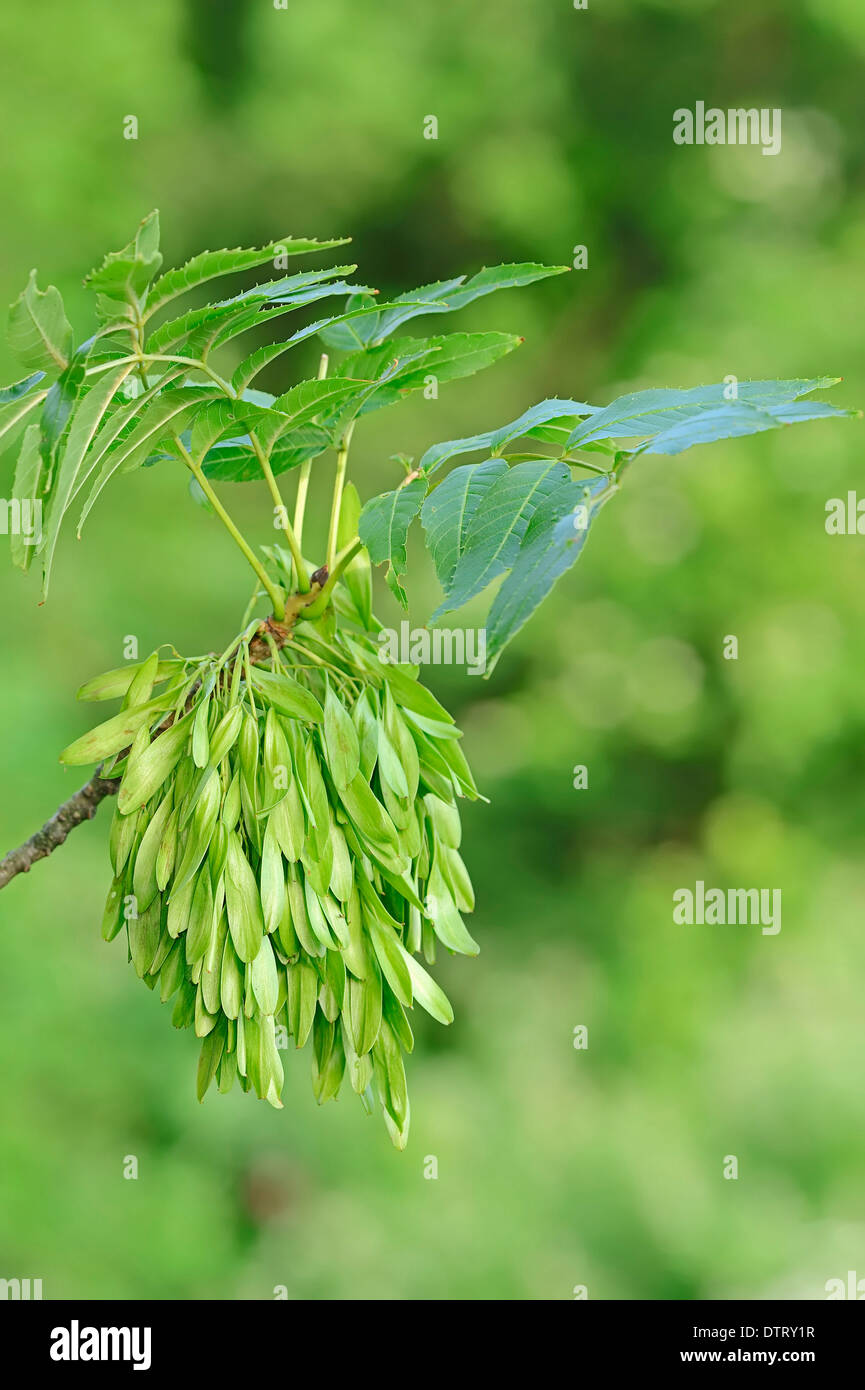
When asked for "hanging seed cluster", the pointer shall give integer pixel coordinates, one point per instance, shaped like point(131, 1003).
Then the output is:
point(285, 845)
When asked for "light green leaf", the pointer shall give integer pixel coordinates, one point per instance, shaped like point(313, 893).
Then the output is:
point(25, 492)
point(209, 265)
point(126, 274)
point(165, 415)
point(441, 297)
point(384, 525)
point(13, 417)
point(39, 331)
point(82, 432)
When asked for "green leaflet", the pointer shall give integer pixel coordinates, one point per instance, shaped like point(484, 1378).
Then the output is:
point(532, 422)
point(552, 543)
point(650, 413)
point(210, 265)
point(39, 331)
point(449, 511)
point(14, 414)
point(128, 272)
point(448, 358)
point(25, 492)
point(167, 414)
point(494, 536)
point(383, 528)
point(443, 296)
point(20, 388)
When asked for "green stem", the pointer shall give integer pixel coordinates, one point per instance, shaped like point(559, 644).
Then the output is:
point(275, 595)
point(296, 552)
point(305, 470)
point(339, 484)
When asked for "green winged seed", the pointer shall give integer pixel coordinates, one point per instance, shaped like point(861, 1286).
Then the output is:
point(167, 852)
point(144, 881)
point(242, 902)
point(362, 1011)
point(141, 686)
point(302, 995)
point(340, 741)
point(200, 739)
point(225, 735)
point(426, 992)
point(231, 981)
point(265, 984)
point(273, 893)
point(112, 736)
point(211, 1055)
point(287, 695)
point(387, 949)
point(113, 685)
point(147, 770)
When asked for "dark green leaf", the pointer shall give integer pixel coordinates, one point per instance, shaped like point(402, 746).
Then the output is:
point(494, 537)
point(553, 541)
point(449, 511)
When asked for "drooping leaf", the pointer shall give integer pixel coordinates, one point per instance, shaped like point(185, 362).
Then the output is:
point(450, 509)
point(384, 525)
point(58, 407)
point(209, 265)
point(13, 417)
point(25, 492)
point(367, 323)
point(39, 331)
point(553, 541)
point(165, 415)
point(493, 540)
point(82, 432)
point(235, 461)
point(262, 356)
point(309, 399)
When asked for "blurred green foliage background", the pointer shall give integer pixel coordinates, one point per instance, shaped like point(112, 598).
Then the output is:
point(557, 1167)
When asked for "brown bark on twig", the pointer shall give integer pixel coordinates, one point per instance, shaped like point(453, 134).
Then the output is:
point(84, 804)
point(79, 808)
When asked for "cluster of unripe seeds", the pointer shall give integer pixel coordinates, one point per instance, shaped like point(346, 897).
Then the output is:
point(285, 846)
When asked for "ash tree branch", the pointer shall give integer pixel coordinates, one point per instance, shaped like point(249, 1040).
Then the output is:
point(79, 808)
point(85, 803)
